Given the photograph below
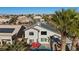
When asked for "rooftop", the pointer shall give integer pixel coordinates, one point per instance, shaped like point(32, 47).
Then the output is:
point(9, 29)
point(44, 25)
point(6, 30)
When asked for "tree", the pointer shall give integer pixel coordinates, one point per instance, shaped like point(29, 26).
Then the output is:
point(62, 20)
point(74, 31)
point(13, 20)
point(19, 46)
point(16, 46)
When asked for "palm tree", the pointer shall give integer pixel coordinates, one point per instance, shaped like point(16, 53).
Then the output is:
point(74, 31)
point(62, 20)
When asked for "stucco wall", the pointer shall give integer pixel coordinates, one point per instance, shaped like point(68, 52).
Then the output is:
point(5, 37)
point(49, 33)
point(34, 37)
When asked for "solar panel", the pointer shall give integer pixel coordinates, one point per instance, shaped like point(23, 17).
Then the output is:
point(6, 30)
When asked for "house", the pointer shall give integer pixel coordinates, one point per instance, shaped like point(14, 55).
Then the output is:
point(23, 20)
point(9, 32)
point(38, 18)
point(40, 32)
point(4, 20)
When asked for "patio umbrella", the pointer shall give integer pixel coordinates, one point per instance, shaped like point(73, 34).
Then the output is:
point(35, 45)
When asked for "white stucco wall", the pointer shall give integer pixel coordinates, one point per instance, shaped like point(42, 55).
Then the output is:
point(34, 37)
point(5, 37)
point(49, 33)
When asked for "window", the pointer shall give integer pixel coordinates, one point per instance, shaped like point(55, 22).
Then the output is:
point(44, 40)
point(31, 33)
point(43, 32)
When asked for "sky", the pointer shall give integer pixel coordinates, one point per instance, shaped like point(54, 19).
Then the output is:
point(31, 10)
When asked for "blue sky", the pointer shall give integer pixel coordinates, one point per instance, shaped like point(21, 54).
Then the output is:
point(31, 10)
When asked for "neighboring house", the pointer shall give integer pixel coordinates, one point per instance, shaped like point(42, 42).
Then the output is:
point(40, 32)
point(9, 32)
point(38, 18)
point(4, 20)
point(23, 20)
